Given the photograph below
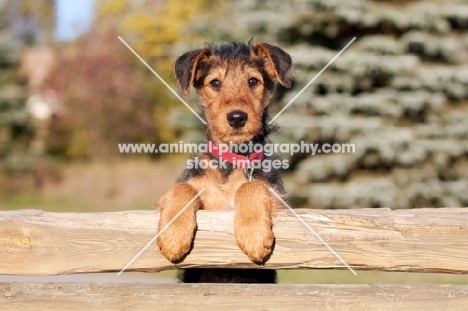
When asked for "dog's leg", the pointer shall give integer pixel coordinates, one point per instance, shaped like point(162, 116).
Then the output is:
point(176, 241)
point(252, 223)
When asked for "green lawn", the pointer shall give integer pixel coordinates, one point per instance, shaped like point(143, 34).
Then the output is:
point(367, 277)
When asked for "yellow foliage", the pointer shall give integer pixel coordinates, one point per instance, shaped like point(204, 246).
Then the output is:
point(79, 145)
point(155, 24)
point(152, 28)
point(113, 7)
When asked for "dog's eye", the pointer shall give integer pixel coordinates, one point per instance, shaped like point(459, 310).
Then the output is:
point(216, 83)
point(253, 81)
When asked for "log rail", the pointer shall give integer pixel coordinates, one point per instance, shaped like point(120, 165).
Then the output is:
point(34, 242)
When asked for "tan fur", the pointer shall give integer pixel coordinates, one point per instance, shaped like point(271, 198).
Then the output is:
point(176, 240)
point(219, 194)
point(234, 95)
point(252, 201)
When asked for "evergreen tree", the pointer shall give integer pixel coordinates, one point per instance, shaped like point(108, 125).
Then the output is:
point(399, 93)
point(15, 132)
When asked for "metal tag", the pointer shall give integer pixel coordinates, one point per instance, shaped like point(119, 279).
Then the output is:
point(248, 171)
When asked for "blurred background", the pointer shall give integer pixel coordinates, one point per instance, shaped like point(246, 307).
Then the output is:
point(70, 91)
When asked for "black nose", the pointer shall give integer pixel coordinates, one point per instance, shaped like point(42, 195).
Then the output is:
point(237, 118)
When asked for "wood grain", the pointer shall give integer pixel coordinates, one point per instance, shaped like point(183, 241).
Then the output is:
point(33, 242)
point(84, 296)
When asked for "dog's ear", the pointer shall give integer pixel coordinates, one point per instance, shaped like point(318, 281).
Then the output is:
point(278, 63)
point(186, 67)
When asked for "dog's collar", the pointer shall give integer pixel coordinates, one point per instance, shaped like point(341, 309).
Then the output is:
point(245, 162)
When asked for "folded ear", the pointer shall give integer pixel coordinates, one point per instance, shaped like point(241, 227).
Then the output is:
point(278, 63)
point(185, 69)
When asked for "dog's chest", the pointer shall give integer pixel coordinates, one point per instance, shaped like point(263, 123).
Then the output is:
point(219, 193)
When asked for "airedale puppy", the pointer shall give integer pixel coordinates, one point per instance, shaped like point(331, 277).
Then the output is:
point(235, 84)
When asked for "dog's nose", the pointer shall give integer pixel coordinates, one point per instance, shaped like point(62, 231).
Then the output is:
point(237, 118)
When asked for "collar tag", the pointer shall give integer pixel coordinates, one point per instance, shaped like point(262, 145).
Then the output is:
point(248, 171)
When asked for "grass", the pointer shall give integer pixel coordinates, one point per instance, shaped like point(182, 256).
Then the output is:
point(100, 187)
point(367, 277)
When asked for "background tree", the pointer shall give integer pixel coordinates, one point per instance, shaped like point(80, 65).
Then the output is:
point(22, 23)
point(159, 31)
point(109, 96)
point(400, 93)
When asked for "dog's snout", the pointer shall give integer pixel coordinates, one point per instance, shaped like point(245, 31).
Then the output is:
point(237, 118)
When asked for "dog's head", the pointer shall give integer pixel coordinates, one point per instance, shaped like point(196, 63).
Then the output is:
point(235, 84)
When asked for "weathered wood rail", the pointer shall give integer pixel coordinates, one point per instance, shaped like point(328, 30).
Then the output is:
point(79, 296)
point(33, 242)
point(425, 240)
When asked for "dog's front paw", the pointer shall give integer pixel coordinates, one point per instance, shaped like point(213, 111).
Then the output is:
point(176, 240)
point(177, 231)
point(252, 223)
point(255, 239)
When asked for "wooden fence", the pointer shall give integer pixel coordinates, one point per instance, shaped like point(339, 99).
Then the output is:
point(33, 242)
